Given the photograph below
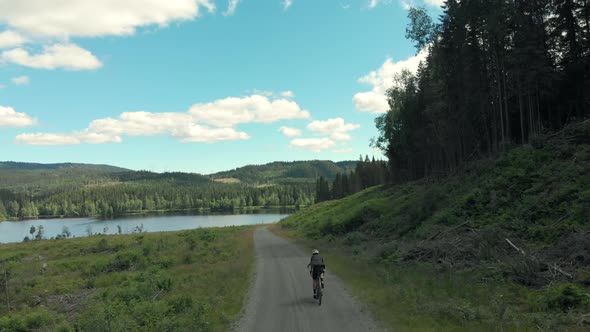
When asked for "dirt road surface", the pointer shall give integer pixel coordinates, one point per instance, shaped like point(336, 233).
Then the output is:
point(282, 297)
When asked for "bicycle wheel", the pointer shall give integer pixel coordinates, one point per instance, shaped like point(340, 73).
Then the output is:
point(319, 290)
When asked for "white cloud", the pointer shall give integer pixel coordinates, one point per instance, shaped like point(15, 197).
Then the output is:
point(21, 80)
point(110, 130)
point(231, 8)
point(347, 150)
point(54, 23)
point(288, 94)
point(143, 124)
point(47, 139)
point(10, 118)
point(290, 132)
point(65, 18)
point(375, 101)
point(10, 38)
point(231, 111)
point(212, 122)
point(203, 134)
point(2, 86)
point(68, 56)
point(66, 139)
point(407, 4)
point(313, 144)
point(336, 128)
point(436, 3)
point(287, 4)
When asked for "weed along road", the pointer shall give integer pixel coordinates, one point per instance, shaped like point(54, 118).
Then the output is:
point(282, 297)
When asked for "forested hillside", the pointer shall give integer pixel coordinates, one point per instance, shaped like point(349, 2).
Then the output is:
point(78, 190)
point(287, 172)
point(486, 224)
point(504, 242)
point(21, 166)
point(498, 73)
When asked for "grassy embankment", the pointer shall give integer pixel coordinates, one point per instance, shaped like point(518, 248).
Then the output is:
point(180, 281)
point(434, 255)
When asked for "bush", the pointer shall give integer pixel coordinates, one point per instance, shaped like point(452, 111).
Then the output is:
point(354, 238)
point(565, 296)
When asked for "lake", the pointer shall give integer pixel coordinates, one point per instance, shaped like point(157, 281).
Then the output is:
point(15, 231)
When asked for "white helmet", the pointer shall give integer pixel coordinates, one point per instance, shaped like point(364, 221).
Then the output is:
point(315, 251)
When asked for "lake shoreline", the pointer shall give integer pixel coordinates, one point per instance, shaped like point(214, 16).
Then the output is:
point(196, 212)
point(33, 229)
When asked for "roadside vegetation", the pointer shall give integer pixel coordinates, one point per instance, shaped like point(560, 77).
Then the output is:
point(180, 281)
point(502, 244)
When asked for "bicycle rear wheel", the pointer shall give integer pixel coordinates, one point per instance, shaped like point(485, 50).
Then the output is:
point(319, 290)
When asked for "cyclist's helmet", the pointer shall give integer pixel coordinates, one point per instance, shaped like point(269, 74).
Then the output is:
point(315, 251)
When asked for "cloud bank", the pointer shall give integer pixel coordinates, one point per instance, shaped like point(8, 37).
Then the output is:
point(204, 123)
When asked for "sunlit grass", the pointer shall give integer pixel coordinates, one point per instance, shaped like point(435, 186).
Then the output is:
point(180, 281)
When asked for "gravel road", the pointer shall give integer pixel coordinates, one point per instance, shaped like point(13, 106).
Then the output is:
point(282, 298)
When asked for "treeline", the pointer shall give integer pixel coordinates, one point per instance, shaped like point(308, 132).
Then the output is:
point(499, 72)
point(286, 172)
point(114, 200)
point(367, 173)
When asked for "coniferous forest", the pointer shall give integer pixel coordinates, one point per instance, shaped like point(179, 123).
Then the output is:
point(499, 73)
point(78, 190)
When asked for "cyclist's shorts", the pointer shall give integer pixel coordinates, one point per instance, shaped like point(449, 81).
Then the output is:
point(317, 270)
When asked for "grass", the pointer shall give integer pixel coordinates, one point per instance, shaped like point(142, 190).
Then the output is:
point(433, 255)
point(426, 297)
point(180, 281)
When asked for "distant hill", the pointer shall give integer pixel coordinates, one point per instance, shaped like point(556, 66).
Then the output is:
point(285, 172)
point(13, 166)
point(177, 177)
point(51, 178)
point(48, 179)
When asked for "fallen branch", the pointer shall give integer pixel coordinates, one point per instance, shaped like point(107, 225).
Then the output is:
point(553, 267)
point(556, 268)
point(558, 221)
point(515, 247)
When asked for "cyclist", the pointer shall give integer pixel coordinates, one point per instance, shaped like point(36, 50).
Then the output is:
point(317, 266)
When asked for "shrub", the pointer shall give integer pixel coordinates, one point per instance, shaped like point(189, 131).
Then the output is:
point(565, 296)
point(354, 238)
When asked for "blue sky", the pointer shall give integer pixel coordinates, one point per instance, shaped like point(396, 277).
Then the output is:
point(197, 85)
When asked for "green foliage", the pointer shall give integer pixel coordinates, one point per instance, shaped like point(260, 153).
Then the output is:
point(110, 284)
point(421, 29)
point(65, 190)
point(434, 252)
point(566, 296)
point(281, 172)
point(497, 73)
point(28, 320)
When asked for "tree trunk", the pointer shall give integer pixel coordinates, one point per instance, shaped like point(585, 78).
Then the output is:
point(521, 114)
point(506, 113)
point(531, 128)
point(503, 131)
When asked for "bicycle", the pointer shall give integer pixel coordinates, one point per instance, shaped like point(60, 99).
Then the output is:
point(318, 289)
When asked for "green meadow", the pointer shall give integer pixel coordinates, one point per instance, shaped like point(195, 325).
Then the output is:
point(179, 281)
